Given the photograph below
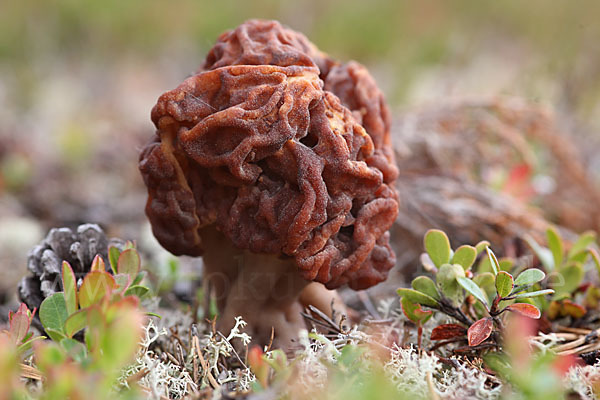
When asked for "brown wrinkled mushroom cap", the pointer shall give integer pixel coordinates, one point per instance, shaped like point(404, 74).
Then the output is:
point(284, 151)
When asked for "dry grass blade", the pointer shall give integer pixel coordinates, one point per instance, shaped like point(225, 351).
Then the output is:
point(172, 358)
point(138, 375)
point(325, 321)
point(580, 350)
point(586, 342)
point(369, 306)
point(569, 346)
point(31, 373)
point(234, 352)
point(563, 337)
point(205, 367)
point(579, 331)
point(314, 320)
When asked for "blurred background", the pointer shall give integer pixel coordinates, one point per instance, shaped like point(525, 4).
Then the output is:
point(78, 80)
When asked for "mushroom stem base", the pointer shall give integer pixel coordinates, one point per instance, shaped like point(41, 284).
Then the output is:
point(265, 290)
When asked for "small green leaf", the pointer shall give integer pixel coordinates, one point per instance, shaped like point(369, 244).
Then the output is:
point(152, 314)
point(438, 247)
point(582, 243)
point(487, 283)
point(529, 277)
point(506, 264)
point(580, 257)
point(484, 279)
point(592, 297)
point(75, 349)
point(55, 335)
point(447, 283)
point(556, 246)
point(559, 296)
point(138, 291)
point(120, 342)
point(493, 261)
point(569, 278)
point(95, 286)
point(96, 321)
point(113, 258)
point(123, 281)
point(465, 256)
point(69, 287)
point(596, 258)
point(417, 297)
point(480, 310)
point(484, 266)
point(539, 301)
point(425, 285)
point(504, 284)
point(472, 288)
point(499, 363)
point(75, 322)
point(278, 360)
point(544, 255)
point(26, 345)
point(481, 246)
point(414, 312)
point(129, 263)
point(532, 294)
point(139, 277)
point(53, 312)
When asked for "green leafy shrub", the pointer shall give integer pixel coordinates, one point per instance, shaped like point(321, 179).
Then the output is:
point(493, 292)
point(106, 307)
point(65, 313)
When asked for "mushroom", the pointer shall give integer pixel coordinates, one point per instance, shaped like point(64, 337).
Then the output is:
point(274, 163)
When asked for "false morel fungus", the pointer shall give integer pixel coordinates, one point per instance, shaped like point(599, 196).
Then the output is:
point(274, 162)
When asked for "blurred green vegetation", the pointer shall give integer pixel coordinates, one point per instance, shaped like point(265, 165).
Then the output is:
point(403, 36)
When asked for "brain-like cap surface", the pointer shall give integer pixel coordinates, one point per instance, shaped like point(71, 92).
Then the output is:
point(281, 148)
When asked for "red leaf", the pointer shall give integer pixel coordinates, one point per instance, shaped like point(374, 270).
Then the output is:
point(414, 312)
point(518, 183)
point(23, 309)
point(527, 310)
point(447, 331)
point(19, 325)
point(573, 309)
point(255, 357)
point(480, 331)
point(562, 364)
point(258, 365)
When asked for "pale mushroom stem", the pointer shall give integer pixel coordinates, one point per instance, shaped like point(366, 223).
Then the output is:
point(267, 291)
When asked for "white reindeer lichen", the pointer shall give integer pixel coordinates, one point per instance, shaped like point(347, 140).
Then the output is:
point(161, 379)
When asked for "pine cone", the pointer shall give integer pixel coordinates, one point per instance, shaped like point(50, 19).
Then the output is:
point(61, 244)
